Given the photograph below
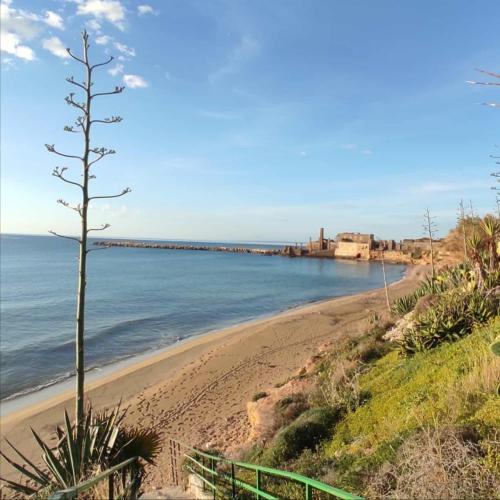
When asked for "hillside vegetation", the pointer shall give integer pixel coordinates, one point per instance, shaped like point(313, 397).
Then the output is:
point(410, 409)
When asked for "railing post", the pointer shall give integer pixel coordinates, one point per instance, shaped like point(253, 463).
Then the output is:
point(173, 462)
point(111, 487)
point(203, 472)
point(257, 483)
point(309, 492)
point(233, 485)
point(214, 476)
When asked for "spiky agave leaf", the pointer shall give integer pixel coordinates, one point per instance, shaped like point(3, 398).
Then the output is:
point(26, 472)
point(43, 476)
point(19, 488)
point(136, 442)
point(53, 463)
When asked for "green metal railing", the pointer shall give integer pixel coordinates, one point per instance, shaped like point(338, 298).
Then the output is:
point(219, 475)
point(109, 474)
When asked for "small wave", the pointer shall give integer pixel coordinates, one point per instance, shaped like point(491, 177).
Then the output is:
point(31, 390)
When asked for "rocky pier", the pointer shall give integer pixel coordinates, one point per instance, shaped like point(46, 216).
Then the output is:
point(181, 246)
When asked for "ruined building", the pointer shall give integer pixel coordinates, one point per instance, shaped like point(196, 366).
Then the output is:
point(322, 244)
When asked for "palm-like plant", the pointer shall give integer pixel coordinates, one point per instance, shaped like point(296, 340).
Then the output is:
point(476, 246)
point(490, 226)
point(102, 443)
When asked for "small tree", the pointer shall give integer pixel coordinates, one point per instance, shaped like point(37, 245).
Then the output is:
point(90, 156)
point(430, 229)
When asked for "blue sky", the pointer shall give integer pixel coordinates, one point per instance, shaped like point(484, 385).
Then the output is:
point(255, 120)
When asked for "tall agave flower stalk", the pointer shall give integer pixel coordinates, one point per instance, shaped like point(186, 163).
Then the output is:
point(476, 245)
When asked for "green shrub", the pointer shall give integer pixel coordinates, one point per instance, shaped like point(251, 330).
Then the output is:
point(259, 395)
point(373, 351)
point(311, 464)
point(495, 347)
point(289, 408)
point(306, 432)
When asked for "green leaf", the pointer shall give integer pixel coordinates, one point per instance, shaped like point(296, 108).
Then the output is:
point(50, 459)
point(21, 488)
point(72, 449)
point(29, 462)
point(25, 471)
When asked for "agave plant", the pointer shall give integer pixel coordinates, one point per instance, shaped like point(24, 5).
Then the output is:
point(404, 305)
point(102, 443)
point(449, 320)
point(490, 226)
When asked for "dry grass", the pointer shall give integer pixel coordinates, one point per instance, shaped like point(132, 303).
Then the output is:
point(484, 375)
point(340, 384)
point(437, 463)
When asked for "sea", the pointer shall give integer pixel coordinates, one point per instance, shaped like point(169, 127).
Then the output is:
point(142, 300)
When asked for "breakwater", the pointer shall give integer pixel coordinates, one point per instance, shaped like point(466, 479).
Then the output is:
point(180, 246)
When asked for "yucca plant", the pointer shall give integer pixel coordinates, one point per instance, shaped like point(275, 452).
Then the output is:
point(102, 443)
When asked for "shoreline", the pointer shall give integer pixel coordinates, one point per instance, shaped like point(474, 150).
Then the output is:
point(53, 390)
point(197, 390)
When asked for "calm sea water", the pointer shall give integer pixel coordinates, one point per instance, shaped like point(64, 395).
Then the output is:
point(139, 300)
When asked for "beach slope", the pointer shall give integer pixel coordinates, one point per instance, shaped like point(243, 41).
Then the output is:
point(197, 391)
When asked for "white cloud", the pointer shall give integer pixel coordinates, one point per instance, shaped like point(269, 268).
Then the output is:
point(16, 28)
point(11, 43)
point(54, 20)
point(433, 187)
point(246, 49)
point(135, 81)
point(56, 47)
point(103, 40)
point(128, 51)
point(218, 115)
point(116, 70)
point(93, 25)
point(110, 10)
point(356, 147)
point(111, 210)
point(142, 10)
point(303, 153)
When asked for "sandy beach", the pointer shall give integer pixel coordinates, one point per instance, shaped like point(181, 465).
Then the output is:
point(197, 391)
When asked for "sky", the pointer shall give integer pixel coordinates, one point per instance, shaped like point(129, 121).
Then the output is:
point(253, 120)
